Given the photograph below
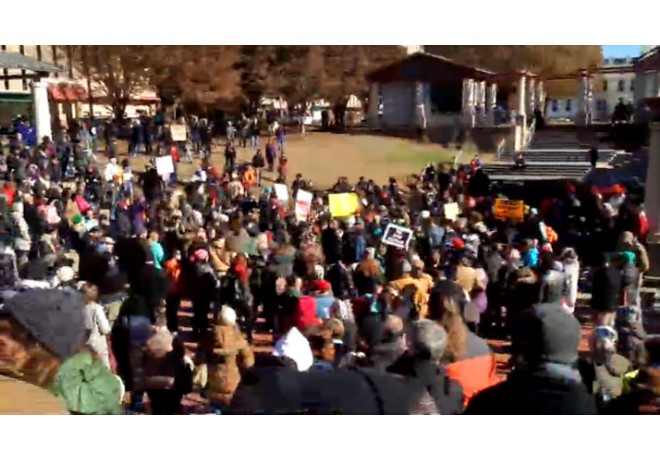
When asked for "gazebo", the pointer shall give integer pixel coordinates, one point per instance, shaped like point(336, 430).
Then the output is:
point(35, 70)
point(405, 90)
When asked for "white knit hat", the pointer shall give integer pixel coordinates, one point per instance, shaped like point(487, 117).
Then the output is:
point(228, 316)
point(65, 274)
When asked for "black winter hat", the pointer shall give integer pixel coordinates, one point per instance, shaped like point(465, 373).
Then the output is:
point(53, 317)
point(547, 333)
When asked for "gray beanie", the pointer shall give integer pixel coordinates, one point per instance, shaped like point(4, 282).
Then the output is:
point(53, 317)
point(406, 267)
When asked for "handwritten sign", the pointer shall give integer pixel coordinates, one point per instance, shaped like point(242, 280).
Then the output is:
point(281, 192)
point(165, 166)
point(509, 209)
point(303, 205)
point(343, 204)
point(451, 211)
point(397, 236)
point(178, 132)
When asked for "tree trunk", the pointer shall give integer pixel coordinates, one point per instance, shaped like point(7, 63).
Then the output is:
point(119, 110)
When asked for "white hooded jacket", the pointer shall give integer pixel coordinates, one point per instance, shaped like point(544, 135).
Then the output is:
point(295, 346)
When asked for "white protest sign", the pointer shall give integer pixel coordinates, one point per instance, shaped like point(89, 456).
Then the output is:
point(281, 192)
point(178, 132)
point(303, 204)
point(451, 211)
point(397, 236)
point(165, 166)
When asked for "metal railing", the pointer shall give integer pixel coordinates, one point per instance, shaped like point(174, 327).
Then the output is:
point(529, 134)
point(500, 149)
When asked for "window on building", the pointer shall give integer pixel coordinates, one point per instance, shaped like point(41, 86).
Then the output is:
point(632, 85)
point(5, 72)
point(21, 49)
point(622, 86)
point(569, 105)
point(604, 85)
point(554, 105)
point(39, 57)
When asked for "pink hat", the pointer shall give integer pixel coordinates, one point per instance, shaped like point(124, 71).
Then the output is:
point(201, 255)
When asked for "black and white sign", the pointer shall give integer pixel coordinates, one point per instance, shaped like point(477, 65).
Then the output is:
point(397, 236)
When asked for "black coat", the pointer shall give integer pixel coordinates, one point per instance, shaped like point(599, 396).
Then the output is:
point(331, 244)
point(339, 279)
point(533, 393)
point(606, 289)
point(641, 401)
point(425, 375)
point(350, 392)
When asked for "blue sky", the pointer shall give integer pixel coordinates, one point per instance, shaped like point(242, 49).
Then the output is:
point(620, 50)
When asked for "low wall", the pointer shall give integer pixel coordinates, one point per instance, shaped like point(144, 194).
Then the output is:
point(485, 139)
point(630, 137)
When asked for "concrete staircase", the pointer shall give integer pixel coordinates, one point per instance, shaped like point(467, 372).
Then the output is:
point(537, 171)
point(553, 153)
point(630, 167)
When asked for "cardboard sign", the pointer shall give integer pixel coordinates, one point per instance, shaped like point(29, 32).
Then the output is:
point(343, 204)
point(178, 132)
point(397, 236)
point(303, 205)
point(509, 209)
point(165, 166)
point(451, 211)
point(281, 192)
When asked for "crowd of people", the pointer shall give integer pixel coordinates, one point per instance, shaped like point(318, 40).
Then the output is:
point(97, 262)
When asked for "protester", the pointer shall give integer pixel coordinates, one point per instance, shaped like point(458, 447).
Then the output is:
point(643, 399)
point(341, 294)
point(468, 358)
point(224, 352)
point(166, 376)
point(544, 381)
point(97, 323)
point(437, 393)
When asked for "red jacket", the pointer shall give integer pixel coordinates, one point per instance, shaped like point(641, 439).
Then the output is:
point(305, 315)
point(9, 192)
point(175, 154)
point(643, 227)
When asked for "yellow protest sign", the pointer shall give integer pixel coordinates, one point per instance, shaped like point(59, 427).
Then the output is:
point(343, 204)
point(509, 209)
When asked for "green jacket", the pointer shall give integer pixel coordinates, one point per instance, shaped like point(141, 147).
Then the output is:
point(88, 387)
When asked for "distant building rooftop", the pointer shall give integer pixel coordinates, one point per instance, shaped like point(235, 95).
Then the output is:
point(17, 61)
point(607, 62)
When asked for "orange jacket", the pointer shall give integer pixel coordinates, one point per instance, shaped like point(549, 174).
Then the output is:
point(474, 375)
point(173, 273)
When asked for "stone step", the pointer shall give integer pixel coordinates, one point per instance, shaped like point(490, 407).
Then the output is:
point(561, 155)
point(503, 171)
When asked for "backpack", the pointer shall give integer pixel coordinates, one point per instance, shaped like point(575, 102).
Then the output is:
point(8, 270)
point(231, 289)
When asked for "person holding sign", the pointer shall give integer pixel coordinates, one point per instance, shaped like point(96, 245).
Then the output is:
point(413, 274)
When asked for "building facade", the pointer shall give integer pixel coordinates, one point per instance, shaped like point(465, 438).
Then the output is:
point(67, 90)
point(613, 82)
point(16, 96)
